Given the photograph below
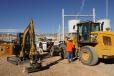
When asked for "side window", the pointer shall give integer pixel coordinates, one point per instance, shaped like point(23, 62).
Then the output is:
point(107, 40)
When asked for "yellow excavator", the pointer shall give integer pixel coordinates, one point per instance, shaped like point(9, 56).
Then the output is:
point(31, 52)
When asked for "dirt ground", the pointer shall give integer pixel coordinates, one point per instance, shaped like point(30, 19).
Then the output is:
point(57, 67)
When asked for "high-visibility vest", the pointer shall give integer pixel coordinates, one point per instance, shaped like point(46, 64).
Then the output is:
point(69, 46)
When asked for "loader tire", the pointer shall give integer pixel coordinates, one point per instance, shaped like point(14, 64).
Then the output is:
point(52, 51)
point(63, 52)
point(88, 55)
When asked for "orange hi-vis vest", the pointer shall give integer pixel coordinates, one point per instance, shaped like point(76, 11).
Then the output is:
point(69, 46)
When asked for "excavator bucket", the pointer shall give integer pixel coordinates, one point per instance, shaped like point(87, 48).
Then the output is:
point(34, 68)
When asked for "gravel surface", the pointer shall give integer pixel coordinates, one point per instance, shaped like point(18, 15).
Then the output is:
point(57, 67)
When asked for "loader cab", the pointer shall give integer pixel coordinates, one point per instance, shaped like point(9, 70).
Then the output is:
point(84, 30)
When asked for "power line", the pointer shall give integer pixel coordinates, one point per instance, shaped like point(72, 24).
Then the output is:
point(82, 6)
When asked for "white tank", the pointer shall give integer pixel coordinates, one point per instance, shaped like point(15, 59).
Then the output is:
point(106, 23)
point(72, 26)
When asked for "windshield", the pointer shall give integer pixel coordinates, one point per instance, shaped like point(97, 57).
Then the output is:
point(95, 27)
point(85, 29)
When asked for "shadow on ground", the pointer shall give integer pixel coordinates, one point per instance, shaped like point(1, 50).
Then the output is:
point(107, 61)
point(42, 68)
point(51, 64)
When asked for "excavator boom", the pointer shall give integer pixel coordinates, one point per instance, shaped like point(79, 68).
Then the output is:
point(28, 31)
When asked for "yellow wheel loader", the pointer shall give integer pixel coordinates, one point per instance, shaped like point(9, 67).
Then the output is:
point(94, 43)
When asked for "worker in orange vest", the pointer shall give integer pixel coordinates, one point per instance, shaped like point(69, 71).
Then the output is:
point(70, 50)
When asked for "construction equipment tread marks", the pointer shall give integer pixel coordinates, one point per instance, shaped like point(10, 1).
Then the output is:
point(88, 55)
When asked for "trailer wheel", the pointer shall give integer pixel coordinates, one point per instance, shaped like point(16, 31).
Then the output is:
point(88, 55)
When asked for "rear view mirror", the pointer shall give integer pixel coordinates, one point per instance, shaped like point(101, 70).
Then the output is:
point(74, 27)
point(102, 26)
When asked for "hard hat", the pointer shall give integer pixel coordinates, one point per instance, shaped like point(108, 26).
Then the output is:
point(70, 39)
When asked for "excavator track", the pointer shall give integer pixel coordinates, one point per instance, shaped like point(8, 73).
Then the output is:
point(14, 60)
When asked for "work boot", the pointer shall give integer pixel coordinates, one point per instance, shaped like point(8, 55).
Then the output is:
point(69, 61)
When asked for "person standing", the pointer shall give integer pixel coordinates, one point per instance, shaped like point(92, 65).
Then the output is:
point(40, 48)
point(70, 50)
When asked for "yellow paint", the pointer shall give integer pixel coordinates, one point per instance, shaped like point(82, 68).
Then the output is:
point(6, 49)
point(102, 49)
point(85, 55)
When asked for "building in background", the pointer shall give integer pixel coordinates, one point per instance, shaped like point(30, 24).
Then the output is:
point(7, 37)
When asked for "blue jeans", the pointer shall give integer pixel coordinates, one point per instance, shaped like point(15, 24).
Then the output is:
point(70, 56)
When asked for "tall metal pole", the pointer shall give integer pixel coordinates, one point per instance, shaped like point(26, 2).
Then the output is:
point(62, 24)
point(94, 14)
point(106, 8)
point(59, 35)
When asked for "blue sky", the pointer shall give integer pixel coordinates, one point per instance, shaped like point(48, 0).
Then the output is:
point(47, 13)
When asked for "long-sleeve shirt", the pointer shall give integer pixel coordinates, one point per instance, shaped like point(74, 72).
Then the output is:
point(69, 46)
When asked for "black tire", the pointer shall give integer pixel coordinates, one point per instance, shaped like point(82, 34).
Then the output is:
point(91, 59)
point(63, 52)
point(52, 51)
